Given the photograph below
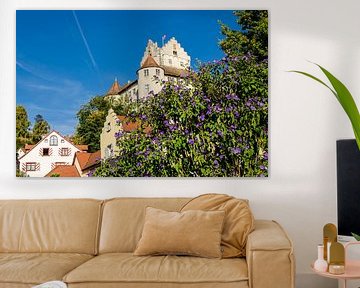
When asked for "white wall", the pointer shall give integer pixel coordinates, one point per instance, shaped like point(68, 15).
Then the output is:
point(305, 119)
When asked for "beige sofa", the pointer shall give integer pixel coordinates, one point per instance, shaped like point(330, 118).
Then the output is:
point(89, 243)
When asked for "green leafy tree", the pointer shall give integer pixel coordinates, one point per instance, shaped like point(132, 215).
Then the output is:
point(251, 39)
point(22, 126)
point(213, 122)
point(41, 128)
point(91, 117)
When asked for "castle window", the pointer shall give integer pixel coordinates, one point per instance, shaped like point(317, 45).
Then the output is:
point(45, 152)
point(182, 64)
point(146, 72)
point(53, 140)
point(108, 127)
point(175, 53)
point(64, 152)
point(157, 72)
point(30, 166)
point(109, 151)
point(147, 88)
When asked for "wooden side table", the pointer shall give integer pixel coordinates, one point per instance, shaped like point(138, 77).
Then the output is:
point(352, 268)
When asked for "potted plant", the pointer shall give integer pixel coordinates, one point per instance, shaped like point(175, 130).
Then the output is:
point(346, 100)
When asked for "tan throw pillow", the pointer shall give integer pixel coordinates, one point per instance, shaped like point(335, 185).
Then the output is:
point(196, 233)
point(239, 220)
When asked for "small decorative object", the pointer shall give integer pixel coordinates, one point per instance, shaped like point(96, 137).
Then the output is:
point(330, 236)
point(337, 258)
point(320, 264)
point(336, 269)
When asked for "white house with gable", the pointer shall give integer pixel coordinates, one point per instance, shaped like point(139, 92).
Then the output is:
point(51, 151)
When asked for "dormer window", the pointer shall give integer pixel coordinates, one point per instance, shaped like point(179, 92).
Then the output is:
point(146, 72)
point(53, 140)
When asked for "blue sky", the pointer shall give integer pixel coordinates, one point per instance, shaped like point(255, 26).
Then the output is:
point(63, 58)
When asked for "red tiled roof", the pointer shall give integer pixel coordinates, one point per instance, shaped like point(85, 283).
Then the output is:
point(114, 89)
point(129, 126)
point(127, 85)
point(149, 62)
point(87, 160)
point(93, 159)
point(64, 171)
point(82, 147)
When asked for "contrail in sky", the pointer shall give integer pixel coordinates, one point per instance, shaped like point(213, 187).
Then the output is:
point(85, 41)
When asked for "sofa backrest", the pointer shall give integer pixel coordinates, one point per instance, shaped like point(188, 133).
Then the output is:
point(67, 226)
point(123, 220)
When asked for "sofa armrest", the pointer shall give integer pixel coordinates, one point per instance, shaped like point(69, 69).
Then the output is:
point(269, 256)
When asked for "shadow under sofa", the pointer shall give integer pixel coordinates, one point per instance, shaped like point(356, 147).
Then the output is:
point(90, 243)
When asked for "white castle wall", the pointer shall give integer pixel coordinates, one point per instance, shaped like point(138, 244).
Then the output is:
point(174, 55)
point(150, 81)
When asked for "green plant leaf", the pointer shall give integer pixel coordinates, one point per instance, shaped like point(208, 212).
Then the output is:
point(316, 79)
point(347, 102)
point(356, 236)
point(344, 97)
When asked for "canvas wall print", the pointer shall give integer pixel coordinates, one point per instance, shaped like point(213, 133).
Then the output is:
point(142, 93)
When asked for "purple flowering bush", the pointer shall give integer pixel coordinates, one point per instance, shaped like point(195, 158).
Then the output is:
point(212, 122)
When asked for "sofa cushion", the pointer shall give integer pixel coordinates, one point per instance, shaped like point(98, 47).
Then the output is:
point(63, 226)
point(36, 268)
point(238, 223)
point(123, 220)
point(126, 268)
point(193, 232)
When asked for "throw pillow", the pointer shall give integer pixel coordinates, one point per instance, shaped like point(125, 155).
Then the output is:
point(196, 233)
point(238, 223)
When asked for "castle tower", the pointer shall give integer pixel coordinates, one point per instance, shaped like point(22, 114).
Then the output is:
point(150, 77)
point(153, 50)
point(114, 89)
point(173, 55)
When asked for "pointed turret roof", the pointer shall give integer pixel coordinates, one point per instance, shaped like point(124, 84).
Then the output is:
point(114, 89)
point(149, 62)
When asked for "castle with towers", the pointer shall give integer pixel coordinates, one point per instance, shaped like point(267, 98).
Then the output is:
point(159, 64)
